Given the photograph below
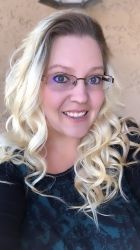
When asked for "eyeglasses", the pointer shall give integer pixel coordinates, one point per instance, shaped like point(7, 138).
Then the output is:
point(63, 81)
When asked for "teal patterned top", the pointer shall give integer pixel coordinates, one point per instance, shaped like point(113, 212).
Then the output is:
point(51, 224)
point(29, 221)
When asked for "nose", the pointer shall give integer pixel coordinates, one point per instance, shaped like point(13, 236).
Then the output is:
point(80, 92)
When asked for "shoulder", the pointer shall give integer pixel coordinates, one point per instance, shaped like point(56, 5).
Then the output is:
point(12, 205)
point(134, 131)
point(12, 173)
point(134, 140)
point(132, 176)
point(132, 171)
point(12, 189)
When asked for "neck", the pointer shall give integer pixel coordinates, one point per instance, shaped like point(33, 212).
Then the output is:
point(61, 153)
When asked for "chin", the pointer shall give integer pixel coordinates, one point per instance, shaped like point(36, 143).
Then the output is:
point(78, 135)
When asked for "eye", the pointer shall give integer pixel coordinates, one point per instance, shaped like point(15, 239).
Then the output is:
point(61, 78)
point(94, 80)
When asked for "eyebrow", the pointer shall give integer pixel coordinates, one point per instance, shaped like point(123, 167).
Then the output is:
point(69, 68)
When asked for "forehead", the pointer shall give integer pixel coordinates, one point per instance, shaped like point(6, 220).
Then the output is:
point(75, 51)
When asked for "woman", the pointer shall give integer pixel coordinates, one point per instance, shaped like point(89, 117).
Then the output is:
point(69, 164)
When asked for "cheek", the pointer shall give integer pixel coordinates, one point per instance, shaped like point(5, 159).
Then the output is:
point(46, 98)
point(51, 101)
point(98, 99)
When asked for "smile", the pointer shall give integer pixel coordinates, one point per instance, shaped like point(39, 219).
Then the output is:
point(76, 114)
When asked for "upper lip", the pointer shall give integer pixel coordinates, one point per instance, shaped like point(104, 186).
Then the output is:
point(74, 111)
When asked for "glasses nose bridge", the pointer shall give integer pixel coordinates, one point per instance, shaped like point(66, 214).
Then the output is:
point(77, 79)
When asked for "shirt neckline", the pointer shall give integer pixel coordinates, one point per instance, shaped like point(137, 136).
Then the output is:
point(69, 170)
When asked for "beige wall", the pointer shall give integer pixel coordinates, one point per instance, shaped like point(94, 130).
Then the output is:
point(120, 21)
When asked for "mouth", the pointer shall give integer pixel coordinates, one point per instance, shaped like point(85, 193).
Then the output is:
point(75, 114)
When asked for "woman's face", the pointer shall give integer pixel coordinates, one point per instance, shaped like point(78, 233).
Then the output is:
point(71, 112)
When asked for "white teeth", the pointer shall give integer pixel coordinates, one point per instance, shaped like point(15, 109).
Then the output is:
point(75, 114)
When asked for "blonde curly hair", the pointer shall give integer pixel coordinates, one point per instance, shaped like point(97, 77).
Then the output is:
point(102, 152)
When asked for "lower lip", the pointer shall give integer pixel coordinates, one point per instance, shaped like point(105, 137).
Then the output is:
point(77, 119)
